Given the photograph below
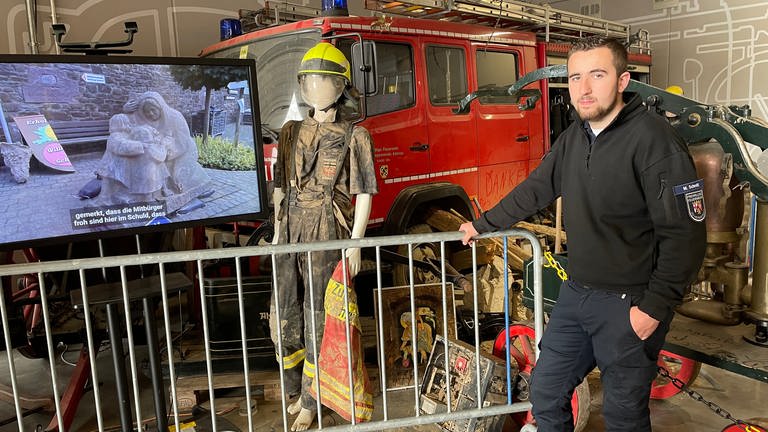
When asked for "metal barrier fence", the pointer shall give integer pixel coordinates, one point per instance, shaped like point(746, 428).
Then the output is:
point(122, 298)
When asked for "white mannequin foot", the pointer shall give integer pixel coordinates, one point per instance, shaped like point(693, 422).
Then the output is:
point(295, 407)
point(304, 420)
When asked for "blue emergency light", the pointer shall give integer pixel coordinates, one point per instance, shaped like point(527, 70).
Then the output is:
point(334, 8)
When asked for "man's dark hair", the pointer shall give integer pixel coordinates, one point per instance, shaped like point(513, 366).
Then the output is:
point(617, 49)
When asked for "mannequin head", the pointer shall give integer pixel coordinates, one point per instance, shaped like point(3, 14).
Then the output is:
point(323, 76)
point(321, 91)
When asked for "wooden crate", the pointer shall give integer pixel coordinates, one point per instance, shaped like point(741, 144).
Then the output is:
point(192, 390)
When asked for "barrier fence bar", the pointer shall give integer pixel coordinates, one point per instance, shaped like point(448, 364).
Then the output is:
point(129, 294)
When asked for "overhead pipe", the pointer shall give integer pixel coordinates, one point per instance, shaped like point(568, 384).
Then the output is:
point(54, 20)
point(31, 24)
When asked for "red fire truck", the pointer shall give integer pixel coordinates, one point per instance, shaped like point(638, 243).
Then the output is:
point(416, 67)
point(414, 62)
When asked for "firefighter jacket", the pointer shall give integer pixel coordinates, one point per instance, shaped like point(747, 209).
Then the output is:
point(324, 164)
point(632, 206)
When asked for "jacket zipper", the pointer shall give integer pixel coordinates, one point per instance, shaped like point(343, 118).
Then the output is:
point(591, 139)
point(590, 145)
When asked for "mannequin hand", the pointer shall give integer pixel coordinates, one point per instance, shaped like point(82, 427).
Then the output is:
point(277, 202)
point(362, 211)
point(643, 324)
point(353, 262)
point(276, 235)
point(469, 231)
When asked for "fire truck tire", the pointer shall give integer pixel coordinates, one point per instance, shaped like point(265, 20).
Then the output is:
point(410, 204)
point(521, 346)
point(682, 368)
point(400, 274)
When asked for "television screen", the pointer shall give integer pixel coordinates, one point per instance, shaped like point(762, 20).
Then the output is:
point(97, 145)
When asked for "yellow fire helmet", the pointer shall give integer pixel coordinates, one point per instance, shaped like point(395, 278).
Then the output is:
point(325, 59)
point(675, 89)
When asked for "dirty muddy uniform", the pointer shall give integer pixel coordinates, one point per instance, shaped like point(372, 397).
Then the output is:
point(320, 167)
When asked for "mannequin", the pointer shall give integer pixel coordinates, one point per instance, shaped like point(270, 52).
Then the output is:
point(324, 165)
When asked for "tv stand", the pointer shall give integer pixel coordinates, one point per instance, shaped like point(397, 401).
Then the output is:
point(111, 295)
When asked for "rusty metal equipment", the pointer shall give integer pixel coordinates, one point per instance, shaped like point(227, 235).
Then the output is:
point(723, 271)
point(704, 128)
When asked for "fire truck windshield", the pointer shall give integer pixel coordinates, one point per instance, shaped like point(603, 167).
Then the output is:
point(277, 64)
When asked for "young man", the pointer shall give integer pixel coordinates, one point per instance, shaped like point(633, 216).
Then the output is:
point(635, 241)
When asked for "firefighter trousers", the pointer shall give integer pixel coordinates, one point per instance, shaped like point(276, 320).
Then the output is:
point(302, 331)
point(588, 328)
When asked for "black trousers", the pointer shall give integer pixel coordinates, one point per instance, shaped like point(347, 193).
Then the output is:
point(588, 328)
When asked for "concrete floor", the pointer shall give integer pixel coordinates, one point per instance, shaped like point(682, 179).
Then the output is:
point(744, 398)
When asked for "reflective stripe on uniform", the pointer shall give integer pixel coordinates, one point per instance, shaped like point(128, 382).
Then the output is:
point(293, 360)
point(309, 369)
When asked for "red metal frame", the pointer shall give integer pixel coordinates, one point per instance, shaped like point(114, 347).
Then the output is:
point(74, 392)
point(525, 359)
point(32, 314)
point(687, 372)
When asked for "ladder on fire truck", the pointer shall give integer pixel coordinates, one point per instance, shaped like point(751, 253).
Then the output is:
point(552, 25)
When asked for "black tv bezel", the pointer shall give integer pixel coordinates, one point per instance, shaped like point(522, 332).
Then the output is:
point(250, 64)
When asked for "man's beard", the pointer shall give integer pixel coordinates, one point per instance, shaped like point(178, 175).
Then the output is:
point(599, 113)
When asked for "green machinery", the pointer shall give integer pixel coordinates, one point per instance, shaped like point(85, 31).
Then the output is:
point(724, 298)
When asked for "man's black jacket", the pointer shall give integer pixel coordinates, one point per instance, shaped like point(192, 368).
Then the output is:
point(629, 219)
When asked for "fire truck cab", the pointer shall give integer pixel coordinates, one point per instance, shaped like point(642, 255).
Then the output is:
point(412, 73)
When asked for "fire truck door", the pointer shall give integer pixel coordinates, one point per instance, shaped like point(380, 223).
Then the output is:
point(503, 134)
point(452, 146)
point(396, 120)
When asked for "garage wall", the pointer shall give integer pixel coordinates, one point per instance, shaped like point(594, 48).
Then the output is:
point(166, 27)
point(715, 49)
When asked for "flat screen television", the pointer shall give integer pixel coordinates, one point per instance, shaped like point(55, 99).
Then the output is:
point(95, 146)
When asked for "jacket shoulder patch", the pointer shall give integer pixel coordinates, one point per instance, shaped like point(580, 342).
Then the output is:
point(693, 193)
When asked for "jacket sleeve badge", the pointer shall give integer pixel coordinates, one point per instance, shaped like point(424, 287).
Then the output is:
point(693, 195)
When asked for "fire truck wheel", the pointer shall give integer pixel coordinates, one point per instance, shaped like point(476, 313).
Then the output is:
point(522, 340)
point(682, 368)
point(421, 251)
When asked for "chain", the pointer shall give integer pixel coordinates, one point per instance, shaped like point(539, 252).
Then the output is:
point(555, 265)
point(717, 409)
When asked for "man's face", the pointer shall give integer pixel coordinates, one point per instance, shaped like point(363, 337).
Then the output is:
point(595, 87)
